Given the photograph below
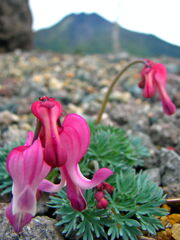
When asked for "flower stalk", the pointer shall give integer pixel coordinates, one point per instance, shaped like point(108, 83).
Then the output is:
point(113, 83)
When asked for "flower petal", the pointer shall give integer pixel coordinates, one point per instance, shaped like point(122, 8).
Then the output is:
point(15, 165)
point(25, 164)
point(18, 221)
point(29, 138)
point(27, 169)
point(168, 106)
point(76, 143)
point(47, 186)
point(24, 202)
point(160, 80)
point(75, 127)
point(160, 75)
point(34, 162)
point(74, 192)
point(149, 87)
point(100, 176)
point(48, 111)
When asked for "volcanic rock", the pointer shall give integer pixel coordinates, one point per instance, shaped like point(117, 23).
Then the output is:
point(16, 25)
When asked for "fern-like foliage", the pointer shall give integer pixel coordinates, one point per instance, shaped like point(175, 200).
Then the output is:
point(135, 205)
point(133, 208)
point(85, 225)
point(110, 147)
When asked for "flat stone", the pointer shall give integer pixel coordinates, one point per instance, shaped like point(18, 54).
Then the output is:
point(40, 227)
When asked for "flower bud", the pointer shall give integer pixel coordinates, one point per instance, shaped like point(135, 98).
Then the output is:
point(103, 203)
point(100, 187)
point(108, 187)
point(99, 195)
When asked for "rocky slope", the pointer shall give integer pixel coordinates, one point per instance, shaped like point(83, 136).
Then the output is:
point(79, 83)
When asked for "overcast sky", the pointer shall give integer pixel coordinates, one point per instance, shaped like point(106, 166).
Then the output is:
point(159, 17)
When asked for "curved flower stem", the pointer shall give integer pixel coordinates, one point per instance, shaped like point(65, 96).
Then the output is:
point(106, 98)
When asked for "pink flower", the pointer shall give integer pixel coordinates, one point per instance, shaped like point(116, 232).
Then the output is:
point(74, 138)
point(48, 112)
point(26, 166)
point(154, 76)
point(53, 145)
point(64, 146)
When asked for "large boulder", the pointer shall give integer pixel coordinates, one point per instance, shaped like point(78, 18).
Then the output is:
point(15, 25)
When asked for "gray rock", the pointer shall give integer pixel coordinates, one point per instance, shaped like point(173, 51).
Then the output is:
point(170, 167)
point(39, 228)
point(130, 115)
point(16, 25)
point(13, 135)
point(7, 118)
point(165, 134)
point(151, 161)
point(154, 174)
point(33, 90)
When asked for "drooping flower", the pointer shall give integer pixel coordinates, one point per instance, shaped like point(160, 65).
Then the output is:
point(48, 112)
point(54, 144)
point(27, 168)
point(154, 77)
point(74, 138)
point(64, 146)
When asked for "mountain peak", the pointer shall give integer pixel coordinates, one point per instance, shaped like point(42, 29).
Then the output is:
point(90, 33)
point(84, 15)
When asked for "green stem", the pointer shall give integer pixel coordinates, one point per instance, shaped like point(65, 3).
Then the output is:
point(106, 97)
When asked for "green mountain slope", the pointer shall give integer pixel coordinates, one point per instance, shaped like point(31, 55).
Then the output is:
point(90, 33)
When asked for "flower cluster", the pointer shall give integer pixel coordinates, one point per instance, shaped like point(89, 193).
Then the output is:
point(100, 197)
point(54, 144)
